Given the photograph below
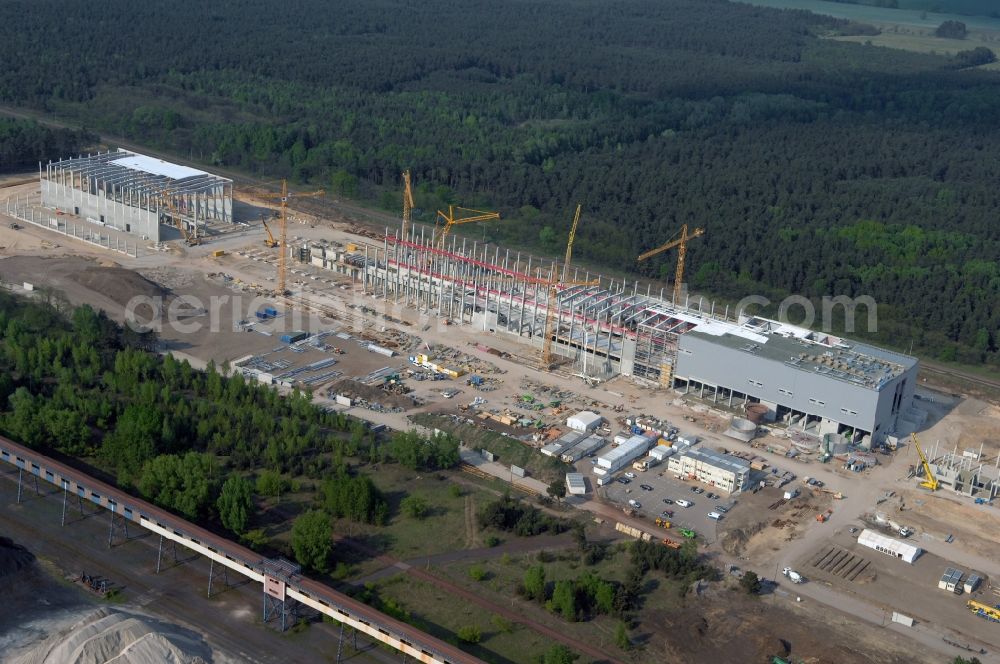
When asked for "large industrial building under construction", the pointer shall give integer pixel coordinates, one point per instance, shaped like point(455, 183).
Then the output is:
point(134, 193)
point(814, 382)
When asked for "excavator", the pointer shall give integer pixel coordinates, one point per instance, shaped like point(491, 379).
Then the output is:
point(270, 242)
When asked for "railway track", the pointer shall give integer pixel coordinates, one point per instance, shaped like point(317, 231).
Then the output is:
point(961, 376)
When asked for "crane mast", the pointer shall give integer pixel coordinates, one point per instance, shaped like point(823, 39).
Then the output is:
point(931, 481)
point(569, 244)
point(282, 242)
point(408, 205)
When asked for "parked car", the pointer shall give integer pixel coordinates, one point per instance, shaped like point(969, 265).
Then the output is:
point(668, 501)
point(634, 503)
point(685, 503)
point(712, 496)
point(645, 487)
point(623, 480)
point(721, 508)
point(630, 475)
point(819, 484)
point(593, 462)
point(715, 515)
point(698, 489)
point(694, 489)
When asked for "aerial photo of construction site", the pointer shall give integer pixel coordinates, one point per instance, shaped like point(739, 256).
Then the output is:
point(642, 475)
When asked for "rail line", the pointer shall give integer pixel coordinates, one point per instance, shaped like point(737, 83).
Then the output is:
point(342, 608)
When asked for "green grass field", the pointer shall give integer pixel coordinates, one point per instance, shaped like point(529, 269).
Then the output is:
point(427, 604)
point(881, 16)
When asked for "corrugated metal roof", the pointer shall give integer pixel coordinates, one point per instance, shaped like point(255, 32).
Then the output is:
point(154, 166)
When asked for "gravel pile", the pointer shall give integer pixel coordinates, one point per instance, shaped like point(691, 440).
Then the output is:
point(107, 635)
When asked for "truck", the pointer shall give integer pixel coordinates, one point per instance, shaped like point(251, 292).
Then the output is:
point(902, 531)
point(792, 575)
point(644, 464)
point(634, 532)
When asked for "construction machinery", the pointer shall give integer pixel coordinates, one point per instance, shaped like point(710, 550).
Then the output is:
point(930, 481)
point(681, 244)
point(408, 206)
point(671, 544)
point(991, 613)
point(688, 533)
point(569, 244)
point(270, 242)
point(663, 523)
point(282, 244)
point(463, 216)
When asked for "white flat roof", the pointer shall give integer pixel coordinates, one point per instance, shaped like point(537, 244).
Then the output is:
point(153, 166)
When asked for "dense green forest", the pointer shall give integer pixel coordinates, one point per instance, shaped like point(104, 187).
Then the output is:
point(73, 382)
point(24, 143)
point(816, 167)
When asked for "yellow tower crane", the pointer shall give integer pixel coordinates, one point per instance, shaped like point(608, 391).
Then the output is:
point(451, 220)
point(569, 244)
point(931, 481)
point(681, 244)
point(408, 205)
point(282, 243)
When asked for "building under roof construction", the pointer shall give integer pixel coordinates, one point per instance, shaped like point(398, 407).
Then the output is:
point(815, 382)
point(129, 191)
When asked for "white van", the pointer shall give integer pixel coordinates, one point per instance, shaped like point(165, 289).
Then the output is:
point(684, 503)
point(714, 515)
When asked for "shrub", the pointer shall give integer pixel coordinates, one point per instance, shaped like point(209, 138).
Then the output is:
point(470, 634)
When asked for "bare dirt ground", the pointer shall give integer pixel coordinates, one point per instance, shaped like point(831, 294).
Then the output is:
point(731, 627)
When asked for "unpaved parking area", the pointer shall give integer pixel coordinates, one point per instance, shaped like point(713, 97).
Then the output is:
point(666, 486)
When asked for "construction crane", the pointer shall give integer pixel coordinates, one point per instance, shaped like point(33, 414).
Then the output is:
point(931, 481)
point(451, 220)
point(270, 242)
point(569, 244)
point(282, 243)
point(552, 285)
point(681, 244)
point(408, 205)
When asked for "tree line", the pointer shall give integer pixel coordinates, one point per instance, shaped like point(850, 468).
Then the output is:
point(24, 143)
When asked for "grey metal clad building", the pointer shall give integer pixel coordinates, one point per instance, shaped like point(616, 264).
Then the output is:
point(810, 380)
point(125, 190)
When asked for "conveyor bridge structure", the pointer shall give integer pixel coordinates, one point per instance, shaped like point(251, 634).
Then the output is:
point(283, 584)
